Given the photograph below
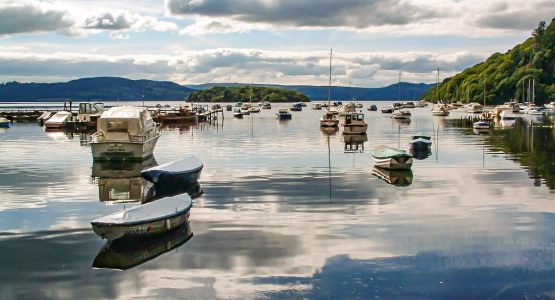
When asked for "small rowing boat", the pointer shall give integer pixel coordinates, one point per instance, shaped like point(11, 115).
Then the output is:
point(420, 140)
point(391, 158)
point(144, 220)
point(183, 170)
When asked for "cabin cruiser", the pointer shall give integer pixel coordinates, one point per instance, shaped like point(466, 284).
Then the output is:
point(329, 120)
point(354, 123)
point(401, 114)
point(440, 110)
point(283, 114)
point(125, 133)
point(475, 108)
point(316, 106)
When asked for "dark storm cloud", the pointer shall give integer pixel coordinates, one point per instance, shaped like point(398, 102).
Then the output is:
point(321, 13)
point(23, 16)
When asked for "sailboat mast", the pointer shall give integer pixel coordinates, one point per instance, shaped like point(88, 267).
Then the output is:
point(329, 85)
point(437, 85)
point(484, 94)
point(399, 86)
point(533, 90)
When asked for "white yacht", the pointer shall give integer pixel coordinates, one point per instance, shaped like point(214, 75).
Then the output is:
point(125, 133)
point(440, 110)
point(475, 108)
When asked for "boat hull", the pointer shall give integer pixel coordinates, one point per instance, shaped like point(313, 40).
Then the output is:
point(5, 124)
point(155, 176)
point(123, 151)
point(143, 229)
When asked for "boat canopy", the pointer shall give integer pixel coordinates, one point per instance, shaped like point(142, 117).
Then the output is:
point(123, 120)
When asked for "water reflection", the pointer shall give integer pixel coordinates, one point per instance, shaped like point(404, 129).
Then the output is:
point(120, 182)
point(421, 153)
point(393, 177)
point(126, 253)
point(354, 143)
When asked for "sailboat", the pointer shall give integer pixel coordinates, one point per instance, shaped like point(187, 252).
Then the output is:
point(401, 114)
point(439, 109)
point(329, 119)
point(253, 109)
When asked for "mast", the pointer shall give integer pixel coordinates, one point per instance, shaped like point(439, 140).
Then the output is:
point(484, 94)
point(437, 85)
point(533, 90)
point(528, 90)
point(329, 85)
point(399, 86)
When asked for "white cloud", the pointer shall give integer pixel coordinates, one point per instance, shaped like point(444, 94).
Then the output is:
point(237, 65)
point(32, 16)
point(203, 26)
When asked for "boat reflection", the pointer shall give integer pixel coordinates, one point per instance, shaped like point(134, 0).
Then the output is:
point(393, 177)
point(329, 130)
point(420, 153)
point(354, 143)
point(161, 190)
point(481, 131)
point(121, 182)
point(126, 253)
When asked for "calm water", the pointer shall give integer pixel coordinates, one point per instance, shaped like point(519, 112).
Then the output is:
point(281, 217)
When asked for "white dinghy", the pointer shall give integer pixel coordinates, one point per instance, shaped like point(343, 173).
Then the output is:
point(183, 170)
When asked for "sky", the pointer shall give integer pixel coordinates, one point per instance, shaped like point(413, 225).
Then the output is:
point(258, 41)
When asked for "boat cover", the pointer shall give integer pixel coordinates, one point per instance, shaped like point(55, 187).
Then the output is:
point(383, 151)
point(186, 165)
point(159, 209)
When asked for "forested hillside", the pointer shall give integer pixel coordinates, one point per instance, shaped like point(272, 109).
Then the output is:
point(243, 94)
point(507, 76)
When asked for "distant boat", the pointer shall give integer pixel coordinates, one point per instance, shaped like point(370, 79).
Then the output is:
point(266, 105)
point(388, 110)
point(420, 141)
point(440, 110)
point(401, 114)
point(481, 125)
point(296, 107)
point(316, 106)
point(237, 113)
point(185, 170)
point(283, 114)
point(354, 124)
point(372, 108)
point(475, 108)
point(58, 120)
point(144, 220)
point(394, 177)
point(409, 104)
point(228, 107)
point(421, 103)
point(5, 123)
point(391, 158)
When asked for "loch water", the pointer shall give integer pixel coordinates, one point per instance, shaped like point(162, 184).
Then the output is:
point(289, 211)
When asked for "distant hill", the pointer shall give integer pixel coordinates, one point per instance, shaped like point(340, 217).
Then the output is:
point(244, 94)
point(101, 88)
point(114, 88)
point(505, 74)
point(409, 91)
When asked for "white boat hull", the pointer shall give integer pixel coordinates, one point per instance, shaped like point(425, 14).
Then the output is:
point(129, 151)
point(329, 123)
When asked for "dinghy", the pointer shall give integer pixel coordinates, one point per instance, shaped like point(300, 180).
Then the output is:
point(144, 220)
point(420, 140)
point(391, 158)
point(5, 123)
point(183, 170)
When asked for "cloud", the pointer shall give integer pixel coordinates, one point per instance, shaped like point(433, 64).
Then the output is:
point(203, 26)
point(31, 16)
point(28, 16)
point(237, 65)
point(503, 16)
point(124, 20)
point(307, 13)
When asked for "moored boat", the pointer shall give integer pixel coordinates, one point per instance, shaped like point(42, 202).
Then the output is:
point(354, 123)
point(237, 113)
point(401, 114)
point(296, 107)
point(5, 123)
point(329, 120)
point(420, 140)
point(125, 133)
point(372, 108)
point(283, 114)
point(185, 170)
point(481, 125)
point(144, 220)
point(391, 158)
point(440, 110)
point(58, 120)
point(388, 110)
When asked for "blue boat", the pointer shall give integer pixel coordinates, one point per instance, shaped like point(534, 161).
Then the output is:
point(179, 171)
point(283, 114)
point(5, 123)
point(296, 107)
point(420, 141)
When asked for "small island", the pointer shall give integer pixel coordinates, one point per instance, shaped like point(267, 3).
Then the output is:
point(246, 94)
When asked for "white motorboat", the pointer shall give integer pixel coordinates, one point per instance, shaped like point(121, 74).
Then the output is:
point(475, 108)
point(58, 120)
point(401, 114)
point(125, 133)
point(440, 110)
point(481, 125)
point(89, 112)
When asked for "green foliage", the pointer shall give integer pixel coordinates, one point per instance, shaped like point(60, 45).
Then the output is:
point(243, 94)
point(504, 74)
